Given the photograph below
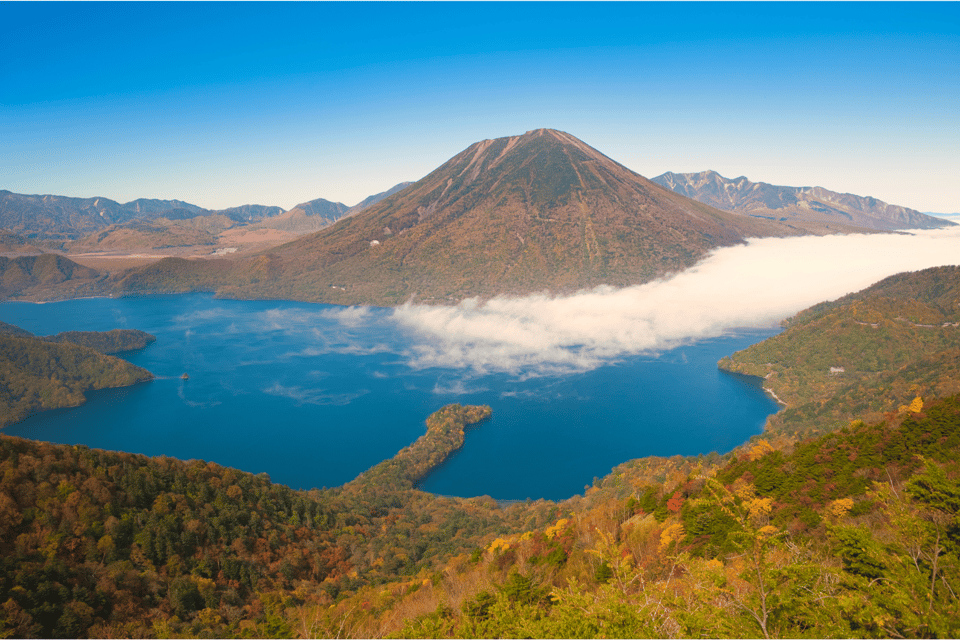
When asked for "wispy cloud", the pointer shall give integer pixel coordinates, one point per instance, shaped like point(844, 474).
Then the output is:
point(347, 349)
point(319, 397)
point(195, 317)
point(181, 393)
point(752, 285)
point(349, 316)
point(456, 388)
point(119, 318)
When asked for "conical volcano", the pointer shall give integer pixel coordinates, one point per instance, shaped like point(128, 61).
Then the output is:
point(538, 212)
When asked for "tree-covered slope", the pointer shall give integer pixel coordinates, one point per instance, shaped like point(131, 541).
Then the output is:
point(98, 543)
point(107, 342)
point(36, 375)
point(856, 534)
point(890, 342)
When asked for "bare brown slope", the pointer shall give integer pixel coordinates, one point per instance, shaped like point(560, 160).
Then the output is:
point(516, 215)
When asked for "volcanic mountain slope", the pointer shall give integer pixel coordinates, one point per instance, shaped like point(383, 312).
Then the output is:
point(517, 215)
point(795, 204)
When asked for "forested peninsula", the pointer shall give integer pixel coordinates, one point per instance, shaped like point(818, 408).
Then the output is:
point(41, 373)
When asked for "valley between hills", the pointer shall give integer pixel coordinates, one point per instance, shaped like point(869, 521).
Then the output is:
point(841, 520)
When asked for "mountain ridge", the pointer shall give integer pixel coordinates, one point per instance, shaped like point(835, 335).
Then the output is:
point(813, 203)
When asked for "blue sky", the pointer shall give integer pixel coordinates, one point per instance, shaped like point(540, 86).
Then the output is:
point(225, 104)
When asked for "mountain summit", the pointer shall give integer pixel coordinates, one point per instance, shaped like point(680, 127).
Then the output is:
point(538, 212)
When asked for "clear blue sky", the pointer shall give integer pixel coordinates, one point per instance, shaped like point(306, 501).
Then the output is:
point(225, 104)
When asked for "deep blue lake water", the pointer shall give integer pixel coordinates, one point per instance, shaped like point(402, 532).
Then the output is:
point(312, 396)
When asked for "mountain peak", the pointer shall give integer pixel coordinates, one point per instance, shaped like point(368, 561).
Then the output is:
point(512, 215)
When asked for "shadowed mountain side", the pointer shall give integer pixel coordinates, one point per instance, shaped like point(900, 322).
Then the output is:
point(517, 215)
point(14, 244)
point(48, 277)
point(812, 205)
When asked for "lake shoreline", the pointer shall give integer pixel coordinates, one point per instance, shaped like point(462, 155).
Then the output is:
point(351, 398)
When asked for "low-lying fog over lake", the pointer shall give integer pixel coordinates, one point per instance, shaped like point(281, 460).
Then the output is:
point(315, 394)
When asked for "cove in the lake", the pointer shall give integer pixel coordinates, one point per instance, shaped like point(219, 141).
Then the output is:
point(313, 397)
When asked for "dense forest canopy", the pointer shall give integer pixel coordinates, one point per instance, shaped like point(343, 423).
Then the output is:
point(856, 533)
point(50, 373)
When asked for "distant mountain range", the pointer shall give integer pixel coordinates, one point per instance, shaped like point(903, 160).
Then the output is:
point(103, 224)
point(312, 216)
point(50, 217)
point(785, 204)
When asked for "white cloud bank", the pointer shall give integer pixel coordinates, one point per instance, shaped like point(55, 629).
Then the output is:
point(752, 285)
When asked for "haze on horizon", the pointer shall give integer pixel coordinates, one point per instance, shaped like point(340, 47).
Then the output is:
point(222, 104)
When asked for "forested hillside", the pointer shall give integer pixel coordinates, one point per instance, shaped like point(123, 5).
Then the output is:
point(853, 534)
point(37, 375)
point(113, 544)
point(48, 277)
point(864, 354)
point(108, 342)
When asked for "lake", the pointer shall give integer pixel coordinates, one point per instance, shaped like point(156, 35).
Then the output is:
point(315, 394)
